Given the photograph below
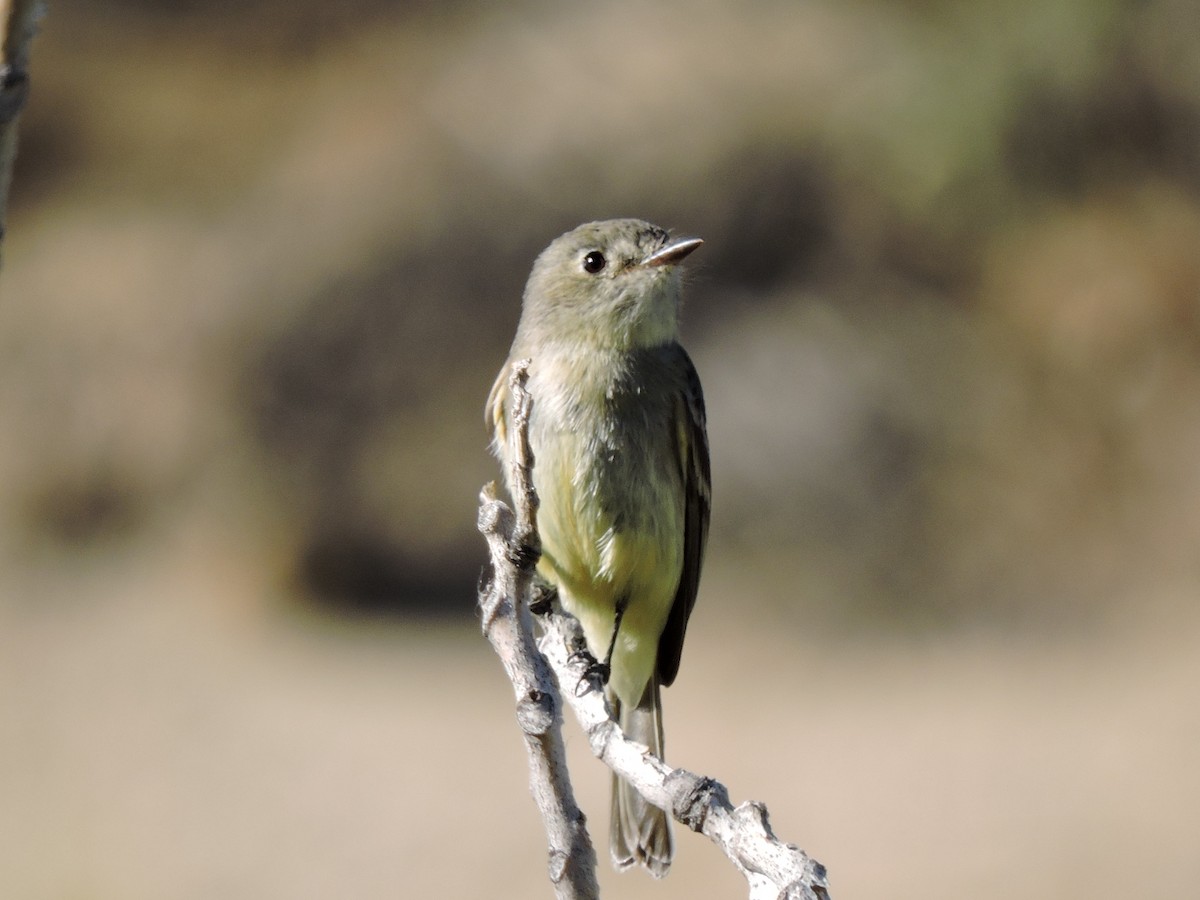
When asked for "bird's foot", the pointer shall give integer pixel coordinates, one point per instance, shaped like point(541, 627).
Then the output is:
point(595, 673)
point(541, 599)
point(598, 674)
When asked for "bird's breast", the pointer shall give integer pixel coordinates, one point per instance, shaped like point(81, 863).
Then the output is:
point(607, 475)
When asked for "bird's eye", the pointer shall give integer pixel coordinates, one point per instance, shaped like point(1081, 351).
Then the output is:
point(593, 262)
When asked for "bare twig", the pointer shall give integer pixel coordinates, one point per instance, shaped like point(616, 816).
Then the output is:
point(773, 870)
point(18, 18)
point(504, 592)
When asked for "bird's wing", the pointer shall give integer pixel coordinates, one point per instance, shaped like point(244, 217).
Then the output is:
point(493, 413)
point(692, 445)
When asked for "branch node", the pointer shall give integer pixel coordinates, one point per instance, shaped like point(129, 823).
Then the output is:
point(525, 553)
point(536, 713)
point(558, 863)
point(692, 796)
point(599, 737)
point(755, 815)
point(494, 515)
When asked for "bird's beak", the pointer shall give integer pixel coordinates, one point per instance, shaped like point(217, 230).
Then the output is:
point(672, 252)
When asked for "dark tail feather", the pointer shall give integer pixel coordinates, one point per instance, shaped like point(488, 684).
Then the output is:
point(640, 832)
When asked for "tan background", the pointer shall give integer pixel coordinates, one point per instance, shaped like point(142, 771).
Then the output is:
point(263, 261)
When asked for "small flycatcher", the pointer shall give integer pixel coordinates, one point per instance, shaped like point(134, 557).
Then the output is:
point(622, 471)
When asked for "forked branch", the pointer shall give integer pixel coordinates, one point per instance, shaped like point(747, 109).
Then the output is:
point(773, 870)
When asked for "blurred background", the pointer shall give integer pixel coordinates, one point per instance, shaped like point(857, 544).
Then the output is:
point(264, 260)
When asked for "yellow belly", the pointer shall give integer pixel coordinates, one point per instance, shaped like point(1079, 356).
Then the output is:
point(596, 562)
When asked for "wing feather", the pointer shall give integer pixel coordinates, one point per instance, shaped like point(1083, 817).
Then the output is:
point(692, 446)
point(493, 413)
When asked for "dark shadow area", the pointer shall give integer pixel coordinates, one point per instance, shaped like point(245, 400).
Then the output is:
point(358, 574)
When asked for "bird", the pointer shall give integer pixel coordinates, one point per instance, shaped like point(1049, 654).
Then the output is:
point(621, 467)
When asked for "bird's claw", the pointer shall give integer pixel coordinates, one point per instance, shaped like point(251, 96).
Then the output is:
point(595, 673)
point(595, 677)
point(541, 599)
